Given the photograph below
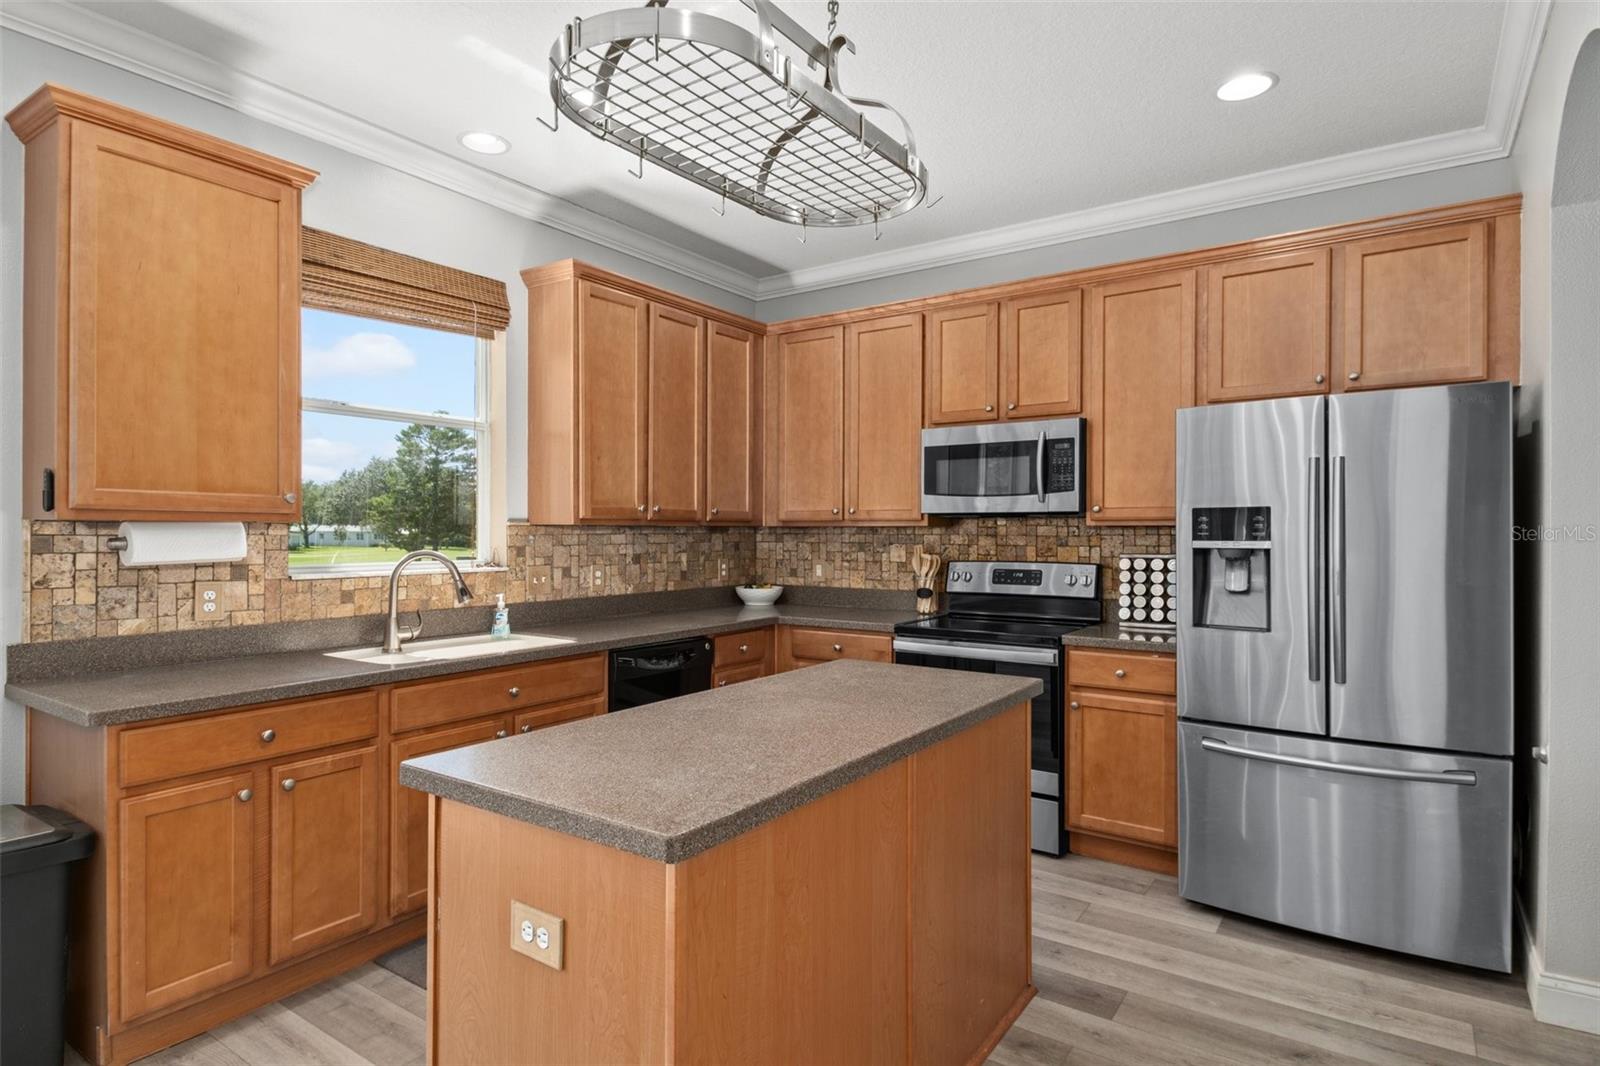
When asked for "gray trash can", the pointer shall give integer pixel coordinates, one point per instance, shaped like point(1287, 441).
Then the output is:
point(38, 846)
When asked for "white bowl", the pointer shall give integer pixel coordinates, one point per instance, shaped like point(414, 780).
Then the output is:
point(754, 597)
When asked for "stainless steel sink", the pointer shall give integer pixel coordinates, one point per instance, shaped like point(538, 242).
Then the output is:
point(446, 648)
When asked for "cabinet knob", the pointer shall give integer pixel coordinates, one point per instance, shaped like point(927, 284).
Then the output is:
point(499, 734)
point(268, 736)
point(1011, 407)
point(852, 510)
point(641, 508)
point(1321, 379)
point(1073, 705)
point(1355, 375)
point(838, 647)
point(656, 509)
point(744, 647)
point(288, 497)
point(513, 692)
point(988, 407)
point(722, 683)
point(1121, 673)
point(528, 728)
point(1095, 508)
point(288, 784)
point(244, 795)
point(836, 510)
point(714, 512)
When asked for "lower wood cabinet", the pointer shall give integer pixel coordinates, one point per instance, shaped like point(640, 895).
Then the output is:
point(324, 882)
point(741, 656)
point(187, 891)
point(805, 646)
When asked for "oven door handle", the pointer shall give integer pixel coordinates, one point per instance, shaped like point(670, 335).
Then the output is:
point(957, 649)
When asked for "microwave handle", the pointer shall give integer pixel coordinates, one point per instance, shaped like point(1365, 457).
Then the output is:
point(1039, 460)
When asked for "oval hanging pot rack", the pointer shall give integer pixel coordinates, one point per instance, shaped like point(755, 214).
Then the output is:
point(735, 112)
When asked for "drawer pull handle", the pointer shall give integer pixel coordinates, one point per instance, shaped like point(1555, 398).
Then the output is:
point(288, 784)
point(500, 734)
point(513, 692)
point(244, 795)
point(1121, 673)
point(268, 736)
point(528, 728)
point(744, 647)
point(838, 647)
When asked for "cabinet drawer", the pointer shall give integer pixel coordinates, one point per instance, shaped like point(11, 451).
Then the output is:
point(512, 689)
point(555, 714)
point(1116, 670)
point(732, 675)
point(175, 749)
point(825, 645)
point(736, 649)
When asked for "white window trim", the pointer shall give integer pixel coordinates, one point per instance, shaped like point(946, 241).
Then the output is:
point(487, 429)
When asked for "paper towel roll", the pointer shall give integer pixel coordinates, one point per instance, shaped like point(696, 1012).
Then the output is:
point(174, 543)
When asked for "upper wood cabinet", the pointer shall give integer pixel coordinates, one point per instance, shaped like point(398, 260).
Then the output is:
point(963, 364)
point(1416, 307)
point(733, 421)
point(1041, 355)
point(1141, 370)
point(1264, 329)
point(627, 385)
point(806, 385)
point(161, 321)
point(883, 420)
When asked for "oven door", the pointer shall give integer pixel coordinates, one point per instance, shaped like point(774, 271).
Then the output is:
point(1015, 468)
point(1048, 744)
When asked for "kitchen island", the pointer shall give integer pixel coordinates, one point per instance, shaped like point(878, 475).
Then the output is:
point(828, 865)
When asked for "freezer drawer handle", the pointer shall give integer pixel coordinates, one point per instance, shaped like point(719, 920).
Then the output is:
point(995, 653)
point(1441, 777)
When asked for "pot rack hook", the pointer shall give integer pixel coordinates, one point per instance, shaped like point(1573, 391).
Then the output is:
point(802, 225)
point(722, 209)
point(877, 210)
point(553, 127)
point(644, 143)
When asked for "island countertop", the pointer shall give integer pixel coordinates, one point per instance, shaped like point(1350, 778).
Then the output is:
point(670, 780)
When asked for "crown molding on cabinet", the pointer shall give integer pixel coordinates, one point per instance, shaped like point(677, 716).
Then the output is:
point(81, 30)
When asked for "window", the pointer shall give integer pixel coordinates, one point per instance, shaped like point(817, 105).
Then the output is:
point(394, 451)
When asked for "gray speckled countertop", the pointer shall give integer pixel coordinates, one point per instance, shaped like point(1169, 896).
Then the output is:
point(101, 699)
point(670, 780)
point(1112, 635)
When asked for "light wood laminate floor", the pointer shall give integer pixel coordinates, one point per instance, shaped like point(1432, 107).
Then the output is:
point(1127, 972)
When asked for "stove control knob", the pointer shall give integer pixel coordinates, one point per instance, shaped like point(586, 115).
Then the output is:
point(1072, 579)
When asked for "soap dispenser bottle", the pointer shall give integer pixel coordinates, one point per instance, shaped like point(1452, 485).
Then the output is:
point(502, 618)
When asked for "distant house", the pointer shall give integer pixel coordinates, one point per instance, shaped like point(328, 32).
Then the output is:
point(328, 536)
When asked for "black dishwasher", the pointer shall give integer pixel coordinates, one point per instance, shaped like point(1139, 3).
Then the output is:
point(655, 672)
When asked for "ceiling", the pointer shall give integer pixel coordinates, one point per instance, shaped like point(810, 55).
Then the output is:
point(1038, 122)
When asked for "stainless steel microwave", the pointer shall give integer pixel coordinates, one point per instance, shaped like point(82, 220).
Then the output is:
point(1004, 468)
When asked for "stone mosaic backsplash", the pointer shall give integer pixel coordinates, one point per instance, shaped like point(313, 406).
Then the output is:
point(75, 586)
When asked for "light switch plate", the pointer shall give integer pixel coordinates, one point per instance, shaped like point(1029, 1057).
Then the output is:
point(539, 935)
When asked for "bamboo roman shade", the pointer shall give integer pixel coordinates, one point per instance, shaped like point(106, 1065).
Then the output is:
point(339, 274)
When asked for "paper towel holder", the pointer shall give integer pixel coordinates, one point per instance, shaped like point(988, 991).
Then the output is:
point(150, 543)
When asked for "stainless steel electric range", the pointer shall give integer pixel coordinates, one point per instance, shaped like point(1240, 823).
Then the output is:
point(1009, 618)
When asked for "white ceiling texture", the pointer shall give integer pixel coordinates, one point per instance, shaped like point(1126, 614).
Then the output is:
point(1038, 122)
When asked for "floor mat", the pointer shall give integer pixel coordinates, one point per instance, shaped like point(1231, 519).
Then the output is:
point(409, 961)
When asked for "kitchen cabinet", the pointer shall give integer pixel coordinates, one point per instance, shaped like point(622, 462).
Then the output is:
point(1041, 355)
point(1416, 307)
point(324, 865)
point(807, 426)
point(187, 885)
point(733, 425)
point(161, 318)
point(799, 646)
point(732, 675)
point(642, 404)
point(421, 704)
point(883, 420)
point(742, 656)
point(963, 364)
point(1141, 371)
point(1265, 330)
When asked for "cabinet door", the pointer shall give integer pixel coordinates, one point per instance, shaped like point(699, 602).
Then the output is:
point(1416, 308)
point(809, 425)
point(184, 357)
point(613, 402)
point(324, 851)
point(186, 890)
point(1266, 327)
point(733, 450)
point(677, 418)
point(963, 364)
point(1141, 370)
point(1122, 766)
point(883, 420)
point(408, 810)
point(1041, 355)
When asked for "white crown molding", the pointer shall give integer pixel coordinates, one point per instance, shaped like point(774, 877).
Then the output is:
point(89, 33)
point(81, 30)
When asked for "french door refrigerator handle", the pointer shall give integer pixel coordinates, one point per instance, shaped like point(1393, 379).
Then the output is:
point(1441, 777)
point(1039, 462)
point(1316, 572)
point(1338, 566)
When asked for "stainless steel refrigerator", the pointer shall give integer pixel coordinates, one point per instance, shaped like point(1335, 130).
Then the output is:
point(1345, 666)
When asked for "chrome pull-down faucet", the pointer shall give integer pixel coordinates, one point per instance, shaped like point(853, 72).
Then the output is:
point(391, 633)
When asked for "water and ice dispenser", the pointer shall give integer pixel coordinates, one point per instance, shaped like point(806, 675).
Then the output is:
point(1232, 587)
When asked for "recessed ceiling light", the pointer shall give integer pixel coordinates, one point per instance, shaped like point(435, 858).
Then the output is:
point(1246, 86)
point(485, 142)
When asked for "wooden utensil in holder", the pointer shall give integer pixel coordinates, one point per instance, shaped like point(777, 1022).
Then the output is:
point(926, 568)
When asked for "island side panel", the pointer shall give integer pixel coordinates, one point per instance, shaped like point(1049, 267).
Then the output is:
point(971, 898)
point(789, 942)
point(490, 1004)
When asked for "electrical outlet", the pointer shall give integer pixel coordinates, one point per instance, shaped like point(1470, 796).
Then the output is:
point(538, 935)
point(723, 569)
point(819, 569)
